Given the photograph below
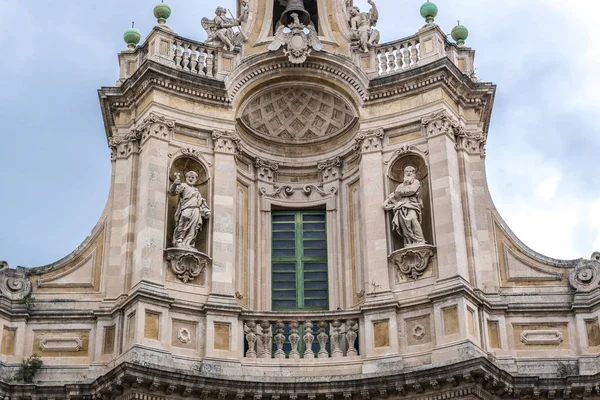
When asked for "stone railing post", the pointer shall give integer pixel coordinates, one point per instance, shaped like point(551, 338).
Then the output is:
point(432, 44)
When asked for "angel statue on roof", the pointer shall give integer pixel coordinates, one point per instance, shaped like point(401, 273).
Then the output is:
point(219, 30)
point(362, 25)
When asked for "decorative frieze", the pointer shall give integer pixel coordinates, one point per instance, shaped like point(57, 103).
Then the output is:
point(226, 142)
point(369, 141)
point(286, 191)
point(14, 283)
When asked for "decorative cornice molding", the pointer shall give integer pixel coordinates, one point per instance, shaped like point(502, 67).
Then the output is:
point(226, 142)
point(369, 141)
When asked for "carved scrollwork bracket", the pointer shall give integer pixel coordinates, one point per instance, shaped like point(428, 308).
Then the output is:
point(186, 264)
point(585, 276)
point(370, 141)
point(226, 142)
point(14, 283)
point(411, 261)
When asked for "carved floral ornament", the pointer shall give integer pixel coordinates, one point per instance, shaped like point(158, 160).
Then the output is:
point(14, 283)
point(585, 277)
point(441, 123)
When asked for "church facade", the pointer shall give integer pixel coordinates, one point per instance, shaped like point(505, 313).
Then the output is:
point(298, 211)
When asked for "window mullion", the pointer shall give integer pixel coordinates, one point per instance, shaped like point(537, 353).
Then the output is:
point(299, 264)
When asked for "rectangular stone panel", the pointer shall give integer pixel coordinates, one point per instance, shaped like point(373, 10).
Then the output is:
point(130, 327)
point(541, 336)
point(151, 325)
point(494, 334)
point(108, 346)
point(222, 335)
point(451, 321)
point(61, 343)
point(183, 334)
point(418, 330)
point(593, 332)
point(381, 333)
point(9, 336)
point(471, 321)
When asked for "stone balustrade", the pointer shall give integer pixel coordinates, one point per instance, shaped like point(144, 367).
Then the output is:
point(398, 56)
point(167, 48)
point(296, 336)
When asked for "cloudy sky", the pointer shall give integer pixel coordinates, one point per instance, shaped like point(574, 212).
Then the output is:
point(542, 158)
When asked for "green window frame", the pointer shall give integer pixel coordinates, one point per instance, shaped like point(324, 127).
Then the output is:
point(299, 260)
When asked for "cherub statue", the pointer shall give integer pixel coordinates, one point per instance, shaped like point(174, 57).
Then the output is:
point(362, 26)
point(296, 50)
point(220, 29)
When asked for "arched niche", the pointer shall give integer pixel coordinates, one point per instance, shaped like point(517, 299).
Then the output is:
point(395, 177)
point(183, 165)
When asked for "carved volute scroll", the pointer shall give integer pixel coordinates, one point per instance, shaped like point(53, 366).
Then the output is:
point(14, 283)
point(187, 227)
point(585, 277)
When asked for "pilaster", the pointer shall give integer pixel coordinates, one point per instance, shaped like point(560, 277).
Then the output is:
point(226, 144)
point(374, 251)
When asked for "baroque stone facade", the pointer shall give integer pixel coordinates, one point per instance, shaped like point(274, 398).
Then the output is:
point(244, 251)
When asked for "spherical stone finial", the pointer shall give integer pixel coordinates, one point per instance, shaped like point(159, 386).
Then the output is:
point(132, 37)
point(162, 11)
point(460, 33)
point(429, 11)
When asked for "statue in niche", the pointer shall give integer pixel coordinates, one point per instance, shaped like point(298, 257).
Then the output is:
point(362, 26)
point(220, 29)
point(407, 204)
point(191, 210)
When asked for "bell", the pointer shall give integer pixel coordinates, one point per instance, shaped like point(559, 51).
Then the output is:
point(295, 6)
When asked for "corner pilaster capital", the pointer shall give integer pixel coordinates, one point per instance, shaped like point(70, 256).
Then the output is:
point(265, 169)
point(442, 123)
point(226, 142)
point(330, 169)
point(369, 141)
point(156, 126)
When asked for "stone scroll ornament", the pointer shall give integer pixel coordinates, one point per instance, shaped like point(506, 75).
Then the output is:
point(297, 44)
point(406, 203)
point(14, 283)
point(219, 30)
point(585, 277)
point(362, 26)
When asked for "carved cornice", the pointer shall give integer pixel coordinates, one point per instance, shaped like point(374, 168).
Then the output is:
point(226, 142)
point(369, 141)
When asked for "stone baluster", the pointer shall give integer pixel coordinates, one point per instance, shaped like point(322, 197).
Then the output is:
point(405, 56)
point(194, 60)
point(279, 339)
point(414, 54)
point(391, 60)
point(309, 338)
point(266, 339)
point(251, 339)
point(335, 336)
point(178, 53)
point(322, 338)
point(351, 328)
point(210, 59)
point(186, 55)
point(294, 340)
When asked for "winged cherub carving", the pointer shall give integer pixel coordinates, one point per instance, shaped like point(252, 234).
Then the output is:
point(298, 44)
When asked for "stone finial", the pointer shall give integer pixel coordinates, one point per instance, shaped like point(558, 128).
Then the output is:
point(460, 33)
point(429, 11)
point(162, 12)
point(132, 37)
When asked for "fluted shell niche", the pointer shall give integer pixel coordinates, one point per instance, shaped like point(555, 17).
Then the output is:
point(297, 118)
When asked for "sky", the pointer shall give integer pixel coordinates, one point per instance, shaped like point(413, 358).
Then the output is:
point(542, 151)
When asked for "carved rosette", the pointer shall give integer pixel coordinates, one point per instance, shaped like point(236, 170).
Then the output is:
point(14, 283)
point(370, 141)
point(186, 264)
point(226, 142)
point(585, 276)
point(441, 123)
point(411, 261)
